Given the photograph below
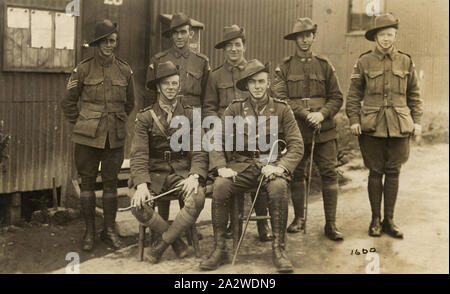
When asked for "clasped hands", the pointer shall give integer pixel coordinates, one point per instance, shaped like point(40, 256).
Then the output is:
point(267, 171)
point(314, 119)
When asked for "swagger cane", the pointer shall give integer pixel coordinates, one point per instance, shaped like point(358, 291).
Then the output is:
point(253, 203)
point(308, 186)
point(153, 198)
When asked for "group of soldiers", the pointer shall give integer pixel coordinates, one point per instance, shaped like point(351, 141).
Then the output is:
point(383, 106)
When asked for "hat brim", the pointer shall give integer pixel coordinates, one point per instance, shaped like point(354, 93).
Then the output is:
point(113, 30)
point(223, 43)
point(293, 36)
point(242, 83)
point(152, 84)
point(370, 34)
point(170, 30)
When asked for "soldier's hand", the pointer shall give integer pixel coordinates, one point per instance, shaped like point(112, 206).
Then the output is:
point(189, 185)
point(315, 118)
point(417, 133)
point(225, 172)
point(356, 129)
point(271, 169)
point(141, 196)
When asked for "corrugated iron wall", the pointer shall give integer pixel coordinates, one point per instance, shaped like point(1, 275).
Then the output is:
point(265, 21)
point(29, 104)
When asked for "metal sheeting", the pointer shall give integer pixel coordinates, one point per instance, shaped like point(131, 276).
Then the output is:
point(265, 22)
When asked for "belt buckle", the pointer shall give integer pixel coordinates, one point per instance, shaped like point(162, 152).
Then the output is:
point(167, 155)
point(305, 102)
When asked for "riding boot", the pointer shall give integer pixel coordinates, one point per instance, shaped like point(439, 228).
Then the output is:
point(298, 191)
point(180, 248)
point(375, 189)
point(278, 209)
point(261, 205)
point(157, 251)
point(330, 194)
point(219, 255)
point(87, 205)
point(109, 235)
point(390, 196)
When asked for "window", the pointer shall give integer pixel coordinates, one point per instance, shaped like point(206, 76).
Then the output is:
point(362, 12)
point(38, 40)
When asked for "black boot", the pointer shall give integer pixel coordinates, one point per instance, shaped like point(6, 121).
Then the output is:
point(375, 189)
point(219, 255)
point(298, 192)
point(156, 252)
point(391, 183)
point(278, 212)
point(330, 193)
point(180, 248)
point(261, 206)
point(87, 207)
point(109, 235)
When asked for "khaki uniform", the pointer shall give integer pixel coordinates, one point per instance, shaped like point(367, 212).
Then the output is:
point(194, 70)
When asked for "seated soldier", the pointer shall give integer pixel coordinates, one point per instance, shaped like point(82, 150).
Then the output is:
point(156, 168)
point(240, 171)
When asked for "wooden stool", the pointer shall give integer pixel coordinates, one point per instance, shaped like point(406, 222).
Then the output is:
point(191, 233)
point(237, 215)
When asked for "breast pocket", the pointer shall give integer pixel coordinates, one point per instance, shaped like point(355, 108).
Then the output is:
point(374, 81)
point(295, 84)
point(226, 93)
point(119, 90)
point(93, 89)
point(400, 81)
point(317, 85)
point(193, 83)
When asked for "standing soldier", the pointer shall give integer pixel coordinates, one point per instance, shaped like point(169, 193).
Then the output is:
point(155, 167)
point(309, 83)
point(240, 171)
point(104, 85)
point(193, 69)
point(221, 90)
point(385, 80)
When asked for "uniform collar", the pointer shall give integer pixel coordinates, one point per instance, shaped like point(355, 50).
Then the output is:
point(165, 105)
point(239, 66)
point(185, 51)
point(259, 105)
point(102, 60)
point(390, 54)
point(304, 56)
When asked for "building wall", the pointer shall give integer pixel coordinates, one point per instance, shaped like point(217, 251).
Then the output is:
point(423, 34)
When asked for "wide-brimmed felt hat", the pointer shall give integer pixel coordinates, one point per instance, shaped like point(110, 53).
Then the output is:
point(301, 25)
point(103, 29)
point(383, 21)
point(179, 19)
point(161, 71)
point(252, 68)
point(230, 33)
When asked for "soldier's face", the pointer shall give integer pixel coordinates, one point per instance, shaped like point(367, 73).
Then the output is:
point(108, 44)
point(386, 37)
point(169, 86)
point(258, 85)
point(181, 36)
point(235, 50)
point(305, 40)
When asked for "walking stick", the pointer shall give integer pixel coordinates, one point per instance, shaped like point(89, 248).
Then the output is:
point(308, 186)
point(253, 203)
point(153, 198)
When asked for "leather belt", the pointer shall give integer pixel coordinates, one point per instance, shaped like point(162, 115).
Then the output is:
point(167, 155)
point(251, 154)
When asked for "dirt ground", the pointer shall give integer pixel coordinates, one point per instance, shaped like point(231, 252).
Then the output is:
point(422, 213)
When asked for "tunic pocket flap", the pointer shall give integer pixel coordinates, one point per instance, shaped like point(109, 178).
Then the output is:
point(296, 78)
point(400, 73)
point(317, 77)
point(122, 116)
point(195, 74)
point(374, 74)
point(224, 85)
point(122, 83)
point(370, 109)
point(405, 120)
point(92, 82)
point(403, 110)
point(89, 114)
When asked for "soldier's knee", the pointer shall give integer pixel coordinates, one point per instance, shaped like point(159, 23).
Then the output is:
point(87, 184)
point(143, 215)
point(199, 199)
point(221, 189)
point(392, 171)
point(329, 175)
point(277, 188)
point(110, 186)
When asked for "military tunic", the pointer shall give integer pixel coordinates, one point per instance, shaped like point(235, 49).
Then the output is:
point(221, 88)
point(386, 85)
point(194, 70)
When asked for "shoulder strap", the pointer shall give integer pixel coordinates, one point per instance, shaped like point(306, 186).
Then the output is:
point(158, 123)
